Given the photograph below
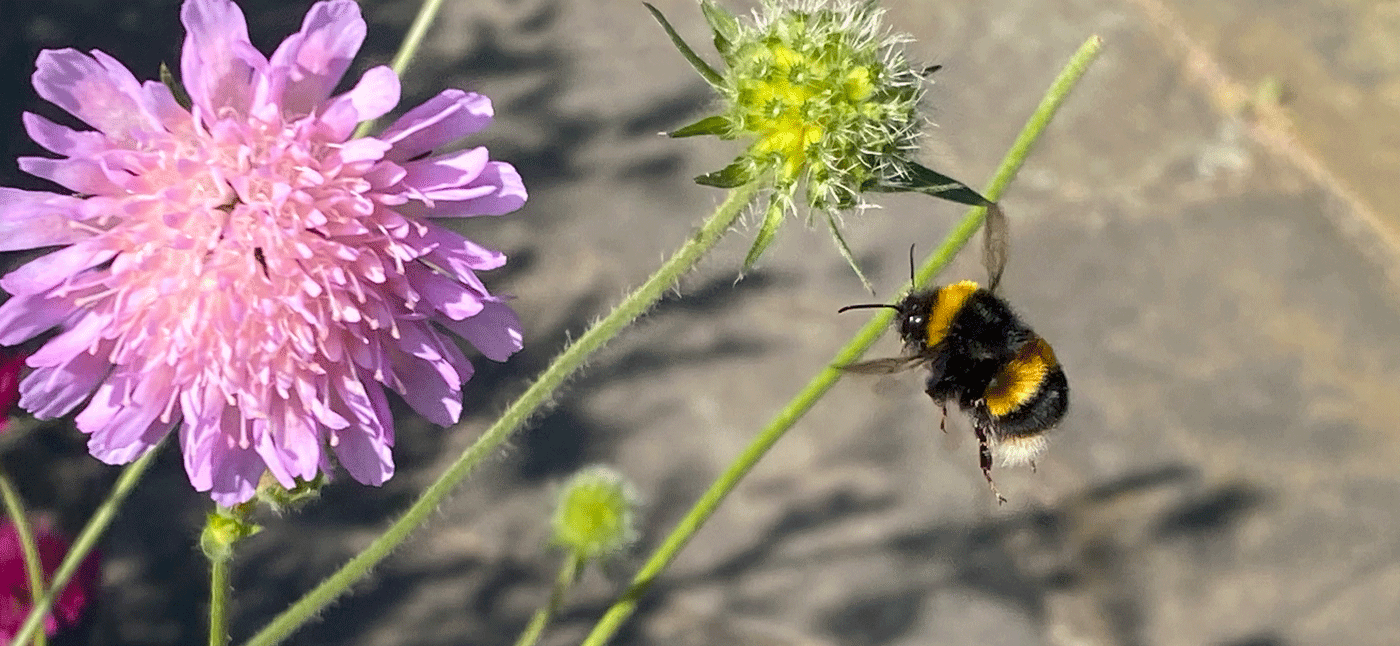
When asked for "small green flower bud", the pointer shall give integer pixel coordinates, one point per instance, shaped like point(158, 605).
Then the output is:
point(223, 528)
point(594, 516)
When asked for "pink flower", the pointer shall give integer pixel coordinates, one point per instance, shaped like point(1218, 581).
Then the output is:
point(10, 365)
point(15, 598)
point(243, 270)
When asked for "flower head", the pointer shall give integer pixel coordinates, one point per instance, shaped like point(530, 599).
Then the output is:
point(11, 363)
point(15, 596)
point(242, 269)
point(594, 516)
point(828, 102)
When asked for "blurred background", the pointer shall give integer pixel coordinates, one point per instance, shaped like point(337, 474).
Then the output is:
point(1207, 234)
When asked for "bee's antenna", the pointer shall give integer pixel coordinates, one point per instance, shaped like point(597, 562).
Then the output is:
point(866, 306)
point(911, 266)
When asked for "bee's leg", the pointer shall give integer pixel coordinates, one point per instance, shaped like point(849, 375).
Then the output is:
point(943, 421)
point(1032, 466)
point(985, 454)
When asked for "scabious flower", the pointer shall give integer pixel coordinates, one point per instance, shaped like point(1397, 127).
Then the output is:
point(15, 597)
point(828, 102)
point(10, 364)
point(239, 268)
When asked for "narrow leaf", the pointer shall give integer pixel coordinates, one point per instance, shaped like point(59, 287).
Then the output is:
point(846, 251)
point(920, 179)
point(734, 175)
point(715, 125)
point(771, 221)
point(724, 25)
point(167, 77)
point(700, 65)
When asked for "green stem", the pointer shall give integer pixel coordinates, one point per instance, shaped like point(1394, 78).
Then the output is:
point(568, 574)
point(540, 392)
point(86, 541)
point(427, 12)
point(219, 589)
point(824, 380)
point(33, 565)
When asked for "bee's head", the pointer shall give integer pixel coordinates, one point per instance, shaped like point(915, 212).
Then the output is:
point(913, 313)
point(913, 317)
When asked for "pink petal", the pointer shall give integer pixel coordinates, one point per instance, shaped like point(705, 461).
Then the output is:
point(26, 316)
point(315, 58)
point(218, 65)
point(78, 175)
point(122, 424)
point(365, 451)
point(495, 331)
point(497, 191)
point(62, 140)
point(30, 219)
point(51, 392)
point(445, 118)
point(459, 255)
point(97, 89)
point(47, 272)
point(374, 96)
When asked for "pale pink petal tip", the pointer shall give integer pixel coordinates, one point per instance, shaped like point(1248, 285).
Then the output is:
point(243, 273)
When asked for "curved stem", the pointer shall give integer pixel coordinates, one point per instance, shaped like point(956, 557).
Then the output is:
point(568, 574)
point(824, 380)
point(33, 564)
point(86, 541)
point(540, 392)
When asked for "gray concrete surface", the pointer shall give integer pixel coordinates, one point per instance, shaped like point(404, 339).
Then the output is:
point(1212, 272)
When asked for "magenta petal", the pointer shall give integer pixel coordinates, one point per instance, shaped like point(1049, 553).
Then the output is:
point(445, 118)
point(100, 91)
point(374, 96)
point(235, 475)
point(52, 392)
point(26, 316)
point(30, 219)
point(79, 175)
point(365, 451)
point(315, 58)
point(122, 425)
point(497, 191)
point(62, 140)
point(218, 64)
point(495, 331)
point(46, 272)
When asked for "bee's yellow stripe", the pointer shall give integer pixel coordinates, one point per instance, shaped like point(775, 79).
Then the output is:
point(1020, 379)
point(950, 301)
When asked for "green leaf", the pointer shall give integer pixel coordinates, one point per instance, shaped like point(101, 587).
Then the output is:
point(846, 251)
point(771, 221)
point(715, 125)
point(700, 65)
point(724, 25)
point(920, 179)
point(167, 77)
point(736, 174)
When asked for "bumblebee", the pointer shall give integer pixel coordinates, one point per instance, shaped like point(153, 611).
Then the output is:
point(982, 356)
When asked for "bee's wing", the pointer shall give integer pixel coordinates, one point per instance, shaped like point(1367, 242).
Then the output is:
point(883, 366)
point(996, 243)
